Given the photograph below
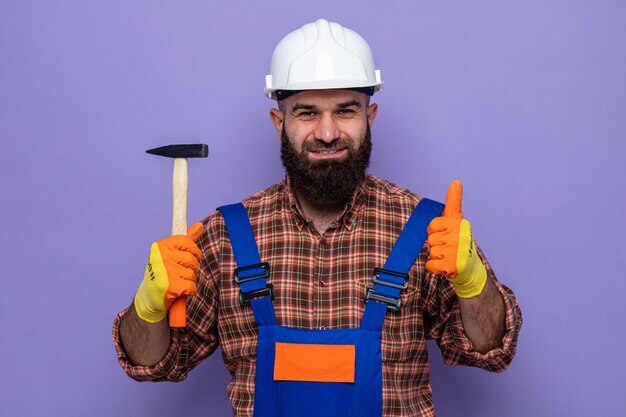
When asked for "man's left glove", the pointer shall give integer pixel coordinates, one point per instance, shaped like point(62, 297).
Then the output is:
point(452, 249)
point(171, 272)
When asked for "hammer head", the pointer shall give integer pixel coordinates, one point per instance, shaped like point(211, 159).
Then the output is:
point(198, 150)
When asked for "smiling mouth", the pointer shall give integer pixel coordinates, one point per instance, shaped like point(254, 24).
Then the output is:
point(327, 153)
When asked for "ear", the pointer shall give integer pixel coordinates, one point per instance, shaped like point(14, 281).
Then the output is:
point(372, 111)
point(277, 118)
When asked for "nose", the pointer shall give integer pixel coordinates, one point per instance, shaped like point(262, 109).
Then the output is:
point(326, 129)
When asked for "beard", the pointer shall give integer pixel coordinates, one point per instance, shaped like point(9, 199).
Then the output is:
point(326, 181)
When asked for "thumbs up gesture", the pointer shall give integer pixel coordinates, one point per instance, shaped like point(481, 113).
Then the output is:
point(452, 249)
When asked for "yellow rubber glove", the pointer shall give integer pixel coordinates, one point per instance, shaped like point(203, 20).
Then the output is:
point(452, 250)
point(171, 272)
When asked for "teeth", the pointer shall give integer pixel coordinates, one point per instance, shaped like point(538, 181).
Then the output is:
point(326, 152)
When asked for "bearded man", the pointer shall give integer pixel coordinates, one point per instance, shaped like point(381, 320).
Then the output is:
point(322, 289)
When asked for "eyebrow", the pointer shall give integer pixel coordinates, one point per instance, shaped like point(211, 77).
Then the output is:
point(300, 106)
point(303, 106)
point(349, 104)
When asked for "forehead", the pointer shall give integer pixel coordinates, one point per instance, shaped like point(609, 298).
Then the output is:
point(325, 98)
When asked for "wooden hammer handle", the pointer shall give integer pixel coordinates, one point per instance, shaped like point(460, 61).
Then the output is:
point(178, 313)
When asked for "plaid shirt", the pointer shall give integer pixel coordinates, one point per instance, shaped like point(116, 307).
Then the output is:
point(319, 283)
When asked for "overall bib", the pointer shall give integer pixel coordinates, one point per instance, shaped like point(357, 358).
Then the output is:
point(327, 373)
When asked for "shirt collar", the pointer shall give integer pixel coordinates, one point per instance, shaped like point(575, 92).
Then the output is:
point(347, 217)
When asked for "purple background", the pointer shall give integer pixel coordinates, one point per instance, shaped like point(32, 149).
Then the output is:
point(524, 101)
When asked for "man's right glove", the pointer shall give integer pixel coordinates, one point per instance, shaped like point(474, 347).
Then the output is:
point(171, 272)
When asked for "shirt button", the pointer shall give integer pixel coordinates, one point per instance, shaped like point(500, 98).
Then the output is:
point(322, 284)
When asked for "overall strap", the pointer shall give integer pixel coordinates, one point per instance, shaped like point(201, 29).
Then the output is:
point(391, 279)
point(250, 273)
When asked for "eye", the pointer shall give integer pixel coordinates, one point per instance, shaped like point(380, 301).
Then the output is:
point(346, 112)
point(306, 114)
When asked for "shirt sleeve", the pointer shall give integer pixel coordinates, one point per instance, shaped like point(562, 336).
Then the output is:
point(442, 319)
point(188, 345)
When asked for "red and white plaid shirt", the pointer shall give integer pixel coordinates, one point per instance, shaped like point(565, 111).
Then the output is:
point(319, 283)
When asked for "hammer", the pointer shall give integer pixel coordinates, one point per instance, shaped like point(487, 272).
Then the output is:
point(180, 153)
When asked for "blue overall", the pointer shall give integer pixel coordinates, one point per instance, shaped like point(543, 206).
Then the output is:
point(361, 394)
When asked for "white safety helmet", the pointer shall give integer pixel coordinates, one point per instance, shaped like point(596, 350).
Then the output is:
point(321, 55)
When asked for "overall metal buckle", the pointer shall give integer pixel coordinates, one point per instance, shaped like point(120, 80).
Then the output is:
point(393, 304)
point(268, 291)
point(265, 274)
point(376, 275)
